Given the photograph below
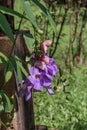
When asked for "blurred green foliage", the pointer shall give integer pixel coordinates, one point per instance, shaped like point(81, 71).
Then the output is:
point(65, 25)
point(67, 108)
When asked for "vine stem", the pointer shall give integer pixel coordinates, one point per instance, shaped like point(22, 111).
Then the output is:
point(59, 34)
point(81, 32)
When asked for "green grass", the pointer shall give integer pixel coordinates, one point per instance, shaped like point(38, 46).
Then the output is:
point(64, 110)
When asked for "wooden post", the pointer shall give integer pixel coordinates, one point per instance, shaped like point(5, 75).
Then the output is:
point(24, 119)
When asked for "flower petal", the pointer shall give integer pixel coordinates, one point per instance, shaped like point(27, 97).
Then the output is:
point(37, 85)
point(55, 69)
point(50, 91)
point(27, 96)
point(33, 70)
point(46, 81)
point(32, 79)
point(45, 44)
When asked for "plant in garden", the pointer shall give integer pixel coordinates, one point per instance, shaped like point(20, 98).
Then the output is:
point(41, 72)
point(38, 77)
point(68, 42)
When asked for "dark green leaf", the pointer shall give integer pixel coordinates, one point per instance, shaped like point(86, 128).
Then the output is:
point(20, 66)
point(13, 62)
point(4, 25)
point(7, 103)
point(23, 70)
point(1, 107)
point(38, 4)
point(11, 12)
point(1, 104)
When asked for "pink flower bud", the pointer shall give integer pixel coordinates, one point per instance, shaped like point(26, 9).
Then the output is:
point(45, 44)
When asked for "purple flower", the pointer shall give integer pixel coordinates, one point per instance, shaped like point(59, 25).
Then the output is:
point(35, 78)
point(52, 68)
point(46, 81)
point(39, 78)
point(26, 92)
point(25, 89)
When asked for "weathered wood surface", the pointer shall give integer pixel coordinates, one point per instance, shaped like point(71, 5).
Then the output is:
point(24, 119)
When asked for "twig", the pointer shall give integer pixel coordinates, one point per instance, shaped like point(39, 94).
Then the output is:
point(58, 37)
point(81, 32)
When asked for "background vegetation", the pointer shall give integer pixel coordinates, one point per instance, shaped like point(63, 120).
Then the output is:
point(67, 108)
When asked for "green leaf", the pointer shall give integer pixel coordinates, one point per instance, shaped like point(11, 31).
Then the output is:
point(42, 8)
point(4, 57)
point(1, 104)
point(4, 25)
point(23, 70)
point(8, 105)
point(29, 13)
point(11, 12)
point(20, 65)
point(1, 108)
point(19, 73)
point(8, 71)
point(13, 62)
point(29, 40)
point(51, 21)
point(1, 61)
point(46, 12)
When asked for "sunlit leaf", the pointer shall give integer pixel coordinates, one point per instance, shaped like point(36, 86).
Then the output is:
point(51, 21)
point(29, 40)
point(19, 73)
point(46, 12)
point(29, 13)
point(8, 71)
point(4, 57)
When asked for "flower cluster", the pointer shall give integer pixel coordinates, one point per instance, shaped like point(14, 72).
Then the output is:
point(41, 73)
